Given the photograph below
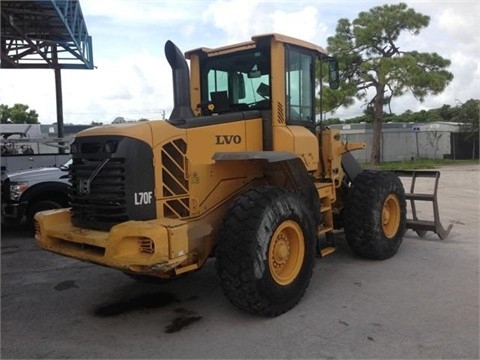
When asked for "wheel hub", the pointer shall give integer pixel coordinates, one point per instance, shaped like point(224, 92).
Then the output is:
point(286, 252)
point(281, 251)
point(386, 215)
point(391, 216)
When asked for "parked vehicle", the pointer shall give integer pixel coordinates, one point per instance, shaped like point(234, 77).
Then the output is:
point(26, 192)
point(240, 171)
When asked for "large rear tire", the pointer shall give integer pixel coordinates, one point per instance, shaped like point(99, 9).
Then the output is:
point(266, 251)
point(375, 215)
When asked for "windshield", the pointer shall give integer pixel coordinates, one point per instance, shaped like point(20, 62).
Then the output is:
point(236, 82)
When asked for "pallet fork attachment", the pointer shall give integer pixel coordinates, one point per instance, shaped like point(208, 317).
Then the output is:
point(422, 226)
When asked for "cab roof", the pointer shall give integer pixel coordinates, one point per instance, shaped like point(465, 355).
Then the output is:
point(252, 44)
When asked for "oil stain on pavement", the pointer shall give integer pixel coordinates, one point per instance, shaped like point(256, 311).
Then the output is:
point(183, 317)
point(66, 285)
point(144, 301)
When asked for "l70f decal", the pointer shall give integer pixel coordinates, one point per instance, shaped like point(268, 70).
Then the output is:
point(143, 198)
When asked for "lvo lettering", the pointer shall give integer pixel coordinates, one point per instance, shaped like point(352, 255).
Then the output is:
point(227, 139)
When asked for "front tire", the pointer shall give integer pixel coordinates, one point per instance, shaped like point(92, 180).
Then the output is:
point(375, 215)
point(266, 251)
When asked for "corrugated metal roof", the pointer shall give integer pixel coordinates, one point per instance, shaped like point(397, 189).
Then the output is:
point(44, 34)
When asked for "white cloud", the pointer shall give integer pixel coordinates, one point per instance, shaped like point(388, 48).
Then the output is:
point(453, 26)
point(461, 23)
point(236, 18)
point(288, 23)
point(35, 88)
point(135, 86)
point(241, 19)
point(141, 12)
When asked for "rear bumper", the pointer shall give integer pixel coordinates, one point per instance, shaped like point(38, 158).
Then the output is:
point(134, 246)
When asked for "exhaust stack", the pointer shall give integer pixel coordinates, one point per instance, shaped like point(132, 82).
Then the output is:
point(181, 84)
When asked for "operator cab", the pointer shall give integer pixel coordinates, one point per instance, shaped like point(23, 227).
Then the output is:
point(271, 72)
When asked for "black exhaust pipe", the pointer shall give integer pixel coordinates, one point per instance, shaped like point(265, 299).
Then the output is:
point(181, 84)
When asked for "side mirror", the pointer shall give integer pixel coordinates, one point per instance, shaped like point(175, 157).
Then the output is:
point(333, 74)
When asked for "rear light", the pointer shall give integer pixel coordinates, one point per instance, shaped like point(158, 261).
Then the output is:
point(146, 245)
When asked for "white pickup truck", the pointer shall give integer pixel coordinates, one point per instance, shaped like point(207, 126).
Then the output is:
point(26, 192)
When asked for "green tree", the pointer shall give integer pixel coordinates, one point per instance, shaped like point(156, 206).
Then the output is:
point(373, 68)
point(468, 115)
point(446, 112)
point(4, 113)
point(17, 114)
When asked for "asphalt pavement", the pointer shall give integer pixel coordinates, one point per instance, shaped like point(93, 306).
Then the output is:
point(421, 304)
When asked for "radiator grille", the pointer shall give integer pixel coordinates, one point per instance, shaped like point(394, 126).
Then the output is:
point(98, 195)
point(112, 180)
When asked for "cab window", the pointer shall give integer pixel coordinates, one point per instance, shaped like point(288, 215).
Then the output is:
point(237, 82)
point(300, 86)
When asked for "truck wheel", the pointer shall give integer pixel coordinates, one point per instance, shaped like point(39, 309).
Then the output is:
point(375, 215)
point(266, 251)
point(39, 206)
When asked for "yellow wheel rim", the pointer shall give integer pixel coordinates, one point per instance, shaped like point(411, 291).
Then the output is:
point(286, 252)
point(391, 216)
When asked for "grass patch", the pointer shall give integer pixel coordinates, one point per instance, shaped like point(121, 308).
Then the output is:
point(417, 164)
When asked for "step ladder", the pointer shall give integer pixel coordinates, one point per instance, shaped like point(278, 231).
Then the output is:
point(422, 226)
point(325, 237)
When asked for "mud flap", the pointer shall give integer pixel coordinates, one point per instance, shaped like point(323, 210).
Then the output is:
point(418, 225)
point(350, 166)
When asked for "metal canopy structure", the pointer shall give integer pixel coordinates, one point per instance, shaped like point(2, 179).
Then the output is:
point(44, 34)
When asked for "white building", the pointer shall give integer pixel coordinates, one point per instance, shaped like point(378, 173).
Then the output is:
point(407, 141)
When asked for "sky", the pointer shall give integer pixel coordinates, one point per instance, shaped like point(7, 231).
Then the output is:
point(133, 80)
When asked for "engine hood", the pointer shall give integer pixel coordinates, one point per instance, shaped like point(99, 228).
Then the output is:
point(38, 175)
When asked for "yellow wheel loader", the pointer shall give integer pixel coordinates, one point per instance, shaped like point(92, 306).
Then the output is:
point(240, 171)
